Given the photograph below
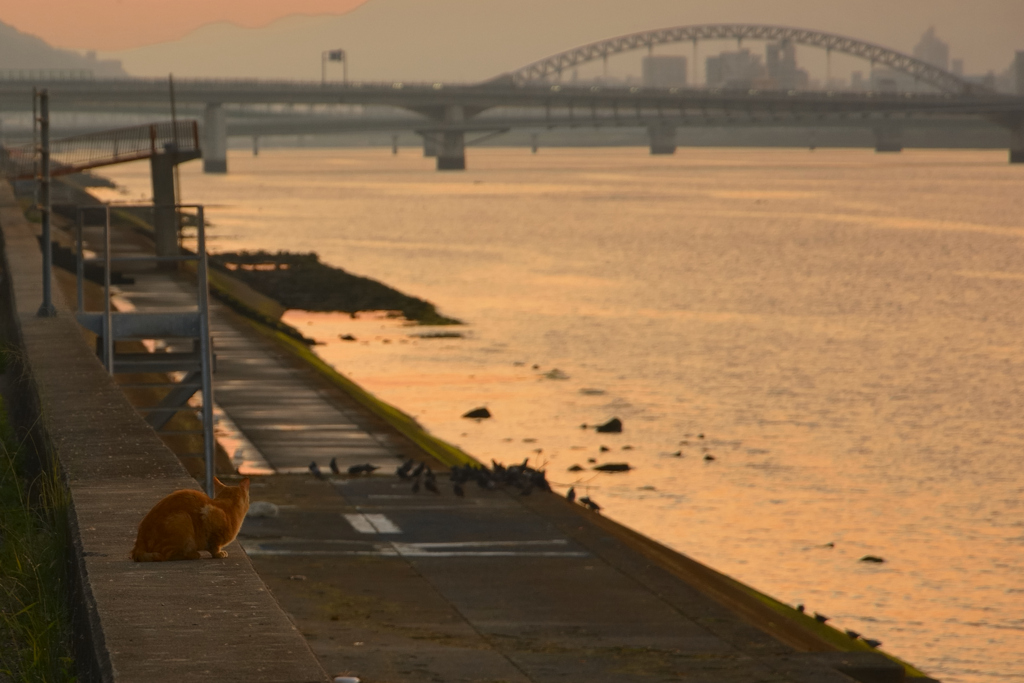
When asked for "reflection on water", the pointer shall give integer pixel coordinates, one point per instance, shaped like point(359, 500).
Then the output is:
point(843, 328)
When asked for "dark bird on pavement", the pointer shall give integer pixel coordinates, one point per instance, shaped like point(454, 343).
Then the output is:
point(800, 608)
point(591, 505)
point(334, 466)
point(416, 485)
point(614, 467)
point(820, 617)
point(872, 642)
point(419, 469)
point(430, 485)
point(570, 495)
point(852, 634)
point(315, 470)
point(362, 469)
point(403, 470)
point(457, 489)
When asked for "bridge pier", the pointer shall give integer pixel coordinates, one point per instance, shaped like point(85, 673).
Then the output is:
point(888, 137)
point(1017, 142)
point(215, 142)
point(165, 219)
point(429, 145)
point(663, 138)
point(451, 152)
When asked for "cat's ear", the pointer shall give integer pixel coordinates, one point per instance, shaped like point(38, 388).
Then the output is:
point(244, 485)
point(218, 486)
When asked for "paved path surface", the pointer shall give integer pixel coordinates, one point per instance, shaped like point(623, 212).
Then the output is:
point(391, 585)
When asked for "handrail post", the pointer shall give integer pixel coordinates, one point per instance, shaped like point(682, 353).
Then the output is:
point(80, 259)
point(108, 323)
point(206, 353)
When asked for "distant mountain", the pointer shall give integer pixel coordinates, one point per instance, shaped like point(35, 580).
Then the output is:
point(21, 52)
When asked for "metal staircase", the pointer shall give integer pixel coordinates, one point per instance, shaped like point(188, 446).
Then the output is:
point(193, 366)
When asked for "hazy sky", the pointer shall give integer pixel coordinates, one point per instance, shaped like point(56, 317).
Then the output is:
point(122, 24)
point(465, 40)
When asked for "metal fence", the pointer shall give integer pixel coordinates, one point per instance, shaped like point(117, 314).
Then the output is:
point(81, 152)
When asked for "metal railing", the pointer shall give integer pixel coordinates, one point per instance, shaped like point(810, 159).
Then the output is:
point(82, 152)
point(110, 326)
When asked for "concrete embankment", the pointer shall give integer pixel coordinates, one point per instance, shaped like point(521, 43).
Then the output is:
point(384, 582)
point(186, 621)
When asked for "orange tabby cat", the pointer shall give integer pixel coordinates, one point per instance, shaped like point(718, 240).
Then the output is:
point(185, 522)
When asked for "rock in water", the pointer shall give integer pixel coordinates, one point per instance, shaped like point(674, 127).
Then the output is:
point(478, 413)
point(613, 425)
point(872, 558)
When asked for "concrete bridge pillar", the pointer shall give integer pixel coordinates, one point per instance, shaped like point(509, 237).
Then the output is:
point(451, 150)
point(215, 139)
point(451, 154)
point(430, 145)
point(663, 138)
point(165, 219)
point(1017, 142)
point(888, 137)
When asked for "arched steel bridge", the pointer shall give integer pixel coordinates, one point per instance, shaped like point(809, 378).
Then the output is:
point(876, 54)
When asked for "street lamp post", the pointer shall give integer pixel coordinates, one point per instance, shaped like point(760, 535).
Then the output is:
point(333, 56)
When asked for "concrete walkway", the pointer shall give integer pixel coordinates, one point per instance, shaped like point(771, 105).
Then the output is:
point(153, 622)
point(393, 586)
point(289, 419)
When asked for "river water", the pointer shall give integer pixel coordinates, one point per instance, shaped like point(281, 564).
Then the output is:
point(839, 329)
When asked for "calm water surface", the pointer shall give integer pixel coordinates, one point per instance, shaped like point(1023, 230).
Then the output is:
point(844, 328)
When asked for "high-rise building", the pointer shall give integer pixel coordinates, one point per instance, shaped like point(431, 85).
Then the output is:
point(932, 50)
point(738, 69)
point(780, 59)
point(664, 71)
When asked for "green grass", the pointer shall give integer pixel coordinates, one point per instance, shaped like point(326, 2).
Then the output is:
point(35, 623)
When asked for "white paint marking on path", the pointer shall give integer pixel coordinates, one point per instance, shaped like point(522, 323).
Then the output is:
point(418, 550)
point(372, 524)
point(383, 525)
point(361, 524)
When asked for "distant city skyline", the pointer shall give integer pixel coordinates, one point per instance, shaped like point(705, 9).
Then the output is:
point(469, 40)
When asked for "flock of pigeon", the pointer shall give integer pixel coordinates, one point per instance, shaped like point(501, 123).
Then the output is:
point(355, 470)
point(521, 477)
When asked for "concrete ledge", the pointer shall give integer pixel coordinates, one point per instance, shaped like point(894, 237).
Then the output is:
point(179, 621)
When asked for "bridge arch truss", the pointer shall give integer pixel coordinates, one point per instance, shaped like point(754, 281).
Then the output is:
point(876, 54)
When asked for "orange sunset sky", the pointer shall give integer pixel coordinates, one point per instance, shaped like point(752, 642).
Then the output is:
point(123, 24)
